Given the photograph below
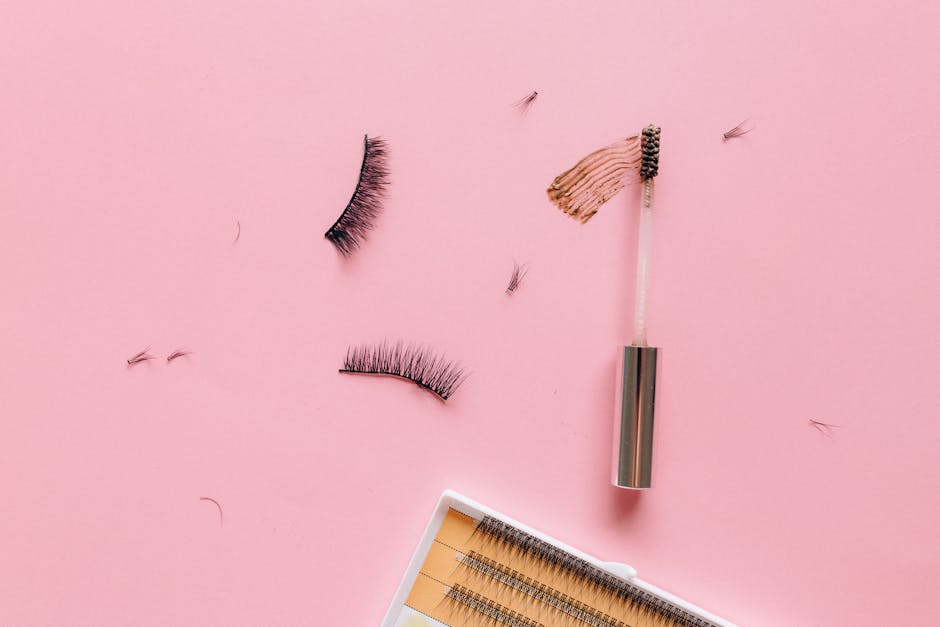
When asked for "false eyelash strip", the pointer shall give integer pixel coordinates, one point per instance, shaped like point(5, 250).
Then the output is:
point(537, 590)
point(492, 610)
point(552, 556)
point(412, 363)
point(360, 214)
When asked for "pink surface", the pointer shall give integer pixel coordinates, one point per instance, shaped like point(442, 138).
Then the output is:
point(794, 277)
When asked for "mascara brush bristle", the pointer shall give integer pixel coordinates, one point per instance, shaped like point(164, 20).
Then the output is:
point(650, 164)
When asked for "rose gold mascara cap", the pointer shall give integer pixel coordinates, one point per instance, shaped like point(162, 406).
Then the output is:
point(636, 364)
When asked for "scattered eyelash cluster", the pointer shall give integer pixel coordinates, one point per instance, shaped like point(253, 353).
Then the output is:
point(140, 357)
point(525, 103)
point(737, 131)
point(145, 355)
point(518, 274)
point(824, 428)
point(360, 214)
point(413, 363)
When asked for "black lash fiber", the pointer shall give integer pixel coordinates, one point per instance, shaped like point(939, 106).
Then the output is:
point(358, 218)
point(515, 279)
point(405, 361)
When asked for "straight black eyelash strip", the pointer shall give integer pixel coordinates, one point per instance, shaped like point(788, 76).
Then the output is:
point(359, 216)
point(538, 591)
point(412, 363)
point(582, 569)
point(494, 611)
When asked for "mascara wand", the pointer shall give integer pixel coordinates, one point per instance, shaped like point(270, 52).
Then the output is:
point(636, 364)
point(579, 192)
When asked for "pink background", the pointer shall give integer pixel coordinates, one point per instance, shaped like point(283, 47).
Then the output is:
point(794, 277)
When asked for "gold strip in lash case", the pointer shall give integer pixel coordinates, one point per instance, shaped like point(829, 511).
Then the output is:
point(579, 192)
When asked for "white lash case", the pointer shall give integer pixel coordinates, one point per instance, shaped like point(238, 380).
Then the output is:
point(398, 613)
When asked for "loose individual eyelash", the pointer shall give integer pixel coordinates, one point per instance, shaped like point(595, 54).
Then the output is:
point(212, 500)
point(139, 357)
point(737, 131)
point(525, 103)
point(823, 427)
point(358, 218)
point(518, 274)
point(177, 354)
point(413, 363)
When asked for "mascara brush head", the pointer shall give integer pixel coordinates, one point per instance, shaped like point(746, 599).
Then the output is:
point(649, 166)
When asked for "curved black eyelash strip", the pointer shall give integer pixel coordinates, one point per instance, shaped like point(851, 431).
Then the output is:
point(358, 218)
point(413, 363)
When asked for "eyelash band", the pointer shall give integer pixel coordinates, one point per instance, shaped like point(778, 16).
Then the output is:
point(238, 231)
point(525, 103)
point(412, 363)
point(139, 357)
point(518, 274)
point(737, 131)
point(358, 218)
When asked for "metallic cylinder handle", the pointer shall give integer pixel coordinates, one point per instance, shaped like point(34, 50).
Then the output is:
point(633, 419)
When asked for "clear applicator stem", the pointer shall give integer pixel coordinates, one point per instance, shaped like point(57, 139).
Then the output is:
point(643, 255)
